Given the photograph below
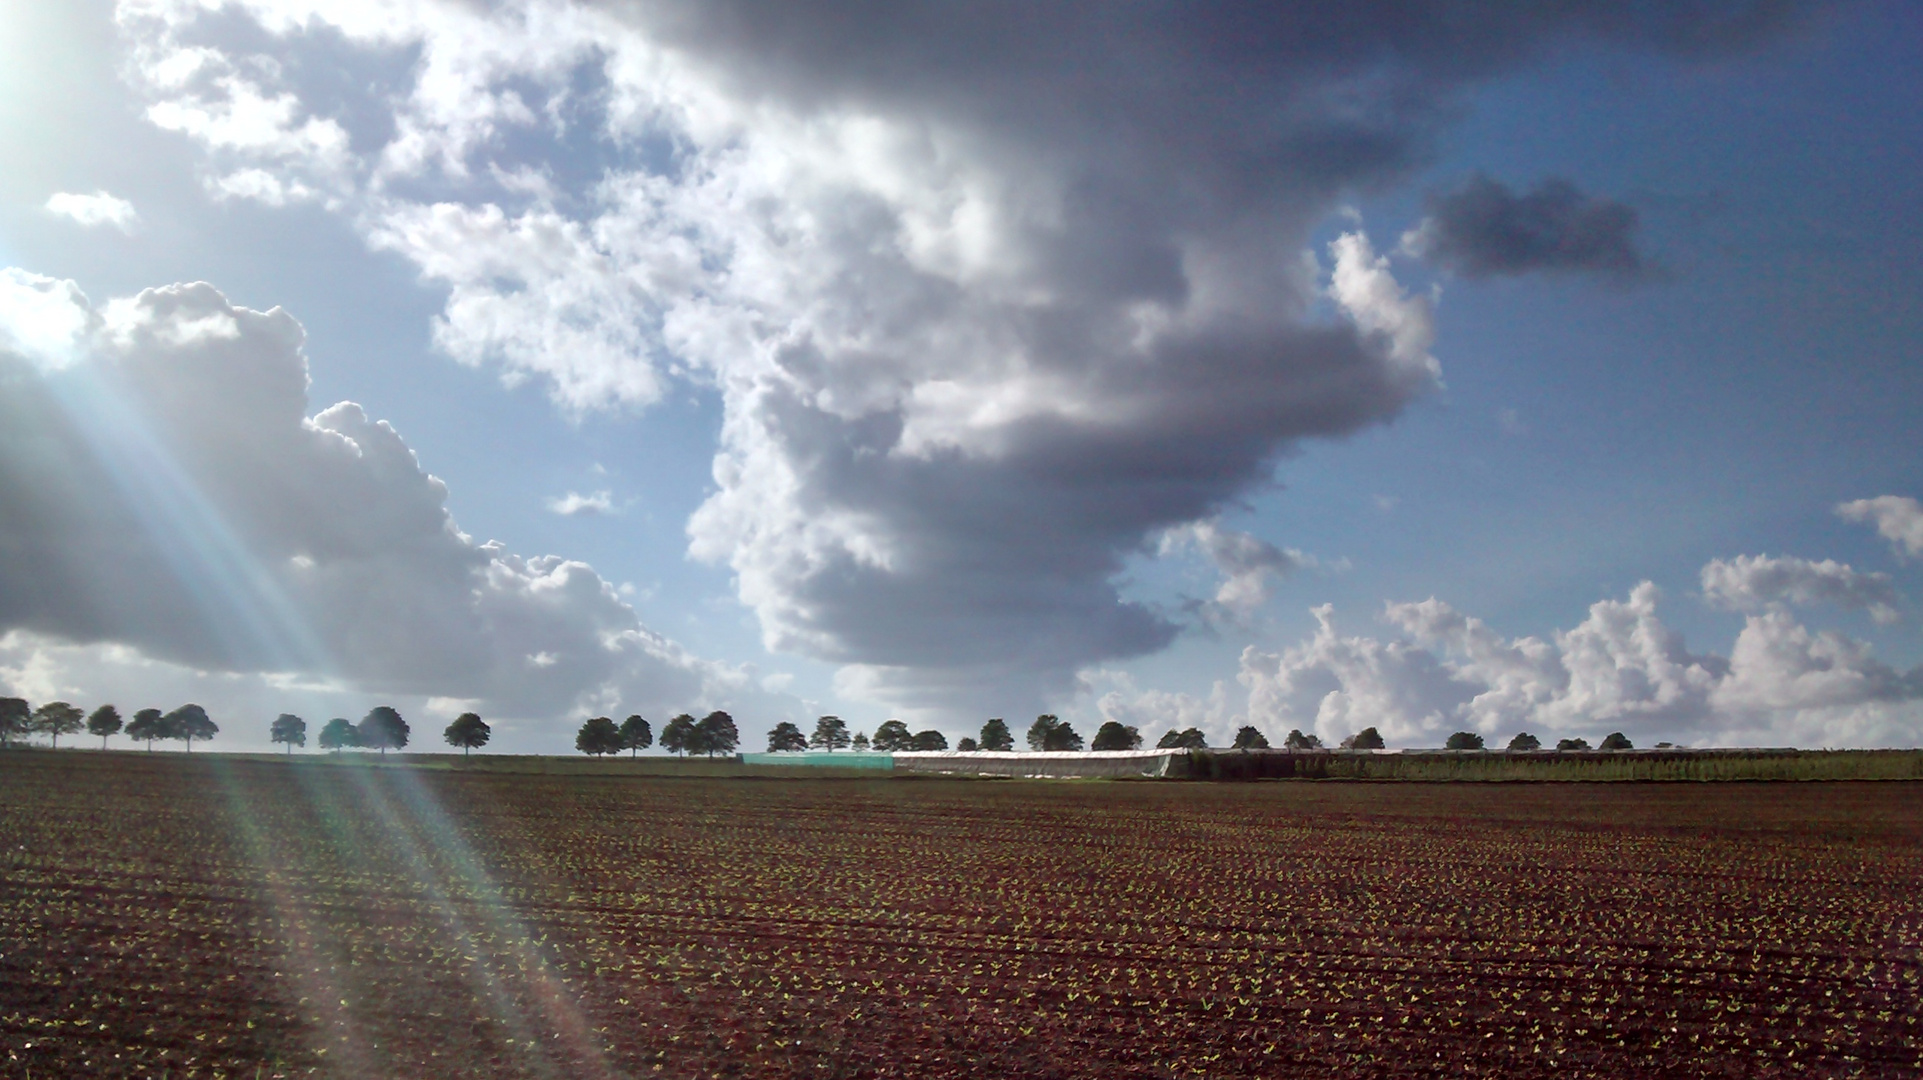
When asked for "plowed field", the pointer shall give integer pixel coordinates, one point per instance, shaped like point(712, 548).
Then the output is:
point(205, 916)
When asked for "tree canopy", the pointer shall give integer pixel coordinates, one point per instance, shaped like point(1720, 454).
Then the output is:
point(1050, 733)
point(636, 736)
point(996, 736)
point(717, 733)
point(1249, 737)
point(147, 725)
point(1572, 744)
point(1186, 739)
point(679, 736)
point(57, 718)
point(16, 718)
point(1525, 741)
point(786, 738)
point(893, 735)
point(1366, 739)
point(339, 732)
point(103, 722)
point(383, 729)
point(1115, 735)
point(928, 740)
point(1616, 740)
point(598, 735)
point(968, 745)
point(1463, 740)
point(1298, 741)
point(289, 729)
point(861, 741)
point(188, 723)
point(469, 732)
point(830, 734)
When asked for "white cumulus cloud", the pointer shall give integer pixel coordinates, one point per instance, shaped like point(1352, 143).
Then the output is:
point(99, 208)
point(1898, 519)
point(597, 502)
point(1752, 582)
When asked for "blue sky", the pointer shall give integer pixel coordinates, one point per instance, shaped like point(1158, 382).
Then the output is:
point(913, 369)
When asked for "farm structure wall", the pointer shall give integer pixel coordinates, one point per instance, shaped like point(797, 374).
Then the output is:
point(1068, 765)
point(1662, 764)
point(827, 760)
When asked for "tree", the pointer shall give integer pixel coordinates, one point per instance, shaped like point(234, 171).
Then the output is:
point(893, 735)
point(718, 733)
point(16, 718)
point(996, 736)
point(830, 734)
point(105, 721)
point(1616, 740)
point(1186, 739)
point(383, 729)
point(468, 731)
point(968, 745)
point(1572, 744)
point(928, 740)
point(1366, 739)
point(860, 745)
point(635, 735)
point(1463, 740)
point(57, 718)
point(187, 723)
point(1298, 741)
point(1249, 737)
point(1115, 735)
point(679, 737)
point(1049, 733)
point(339, 732)
point(147, 725)
point(787, 737)
point(289, 729)
point(1524, 742)
point(598, 736)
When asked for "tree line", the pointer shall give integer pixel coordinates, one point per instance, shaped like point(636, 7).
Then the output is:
point(187, 724)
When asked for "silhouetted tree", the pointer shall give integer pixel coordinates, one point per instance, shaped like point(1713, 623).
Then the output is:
point(1049, 732)
point(860, 745)
point(103, 722)
point(1463, 740)
point(57, 718)
point(1572, 744)
point(16, 718)
point(893, 735)
point(188, 723)
point(786, 737)
point(1616, 740)
point(339, 732)
point(1249, 737)
point(1115, 735)
point(147, 725)
point(929, 740)
point(289, 729)
point(1186, 739)
point(680, 737)
point(1525, 741)
point(968, 745)
point(830, 734)
point(468, 731)
point(1298, 741)
point(383, 729)
point(635, 735)
point(718, 734)
point(996, 736)
point(1366, 739)
point(598, 736)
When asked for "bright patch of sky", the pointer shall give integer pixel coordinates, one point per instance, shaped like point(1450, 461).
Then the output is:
point(1557, 372)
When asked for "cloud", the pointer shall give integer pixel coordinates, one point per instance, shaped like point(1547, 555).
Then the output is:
point(1753, 582)
point(991, 297)
point(165, 501)
point(599, 502)
point(1898, 519)
point(1249, 565)
point(1483, 229)
point(1621, 668)
point(99, 208)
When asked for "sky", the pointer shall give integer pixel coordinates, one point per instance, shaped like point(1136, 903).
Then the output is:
point(1431, 367)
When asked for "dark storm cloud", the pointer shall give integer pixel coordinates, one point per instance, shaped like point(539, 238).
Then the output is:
point(1483, 229)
